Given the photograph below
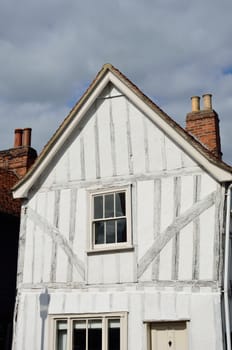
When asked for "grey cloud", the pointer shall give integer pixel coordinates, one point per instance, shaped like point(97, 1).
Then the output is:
point(44, 119)
point(171, 49)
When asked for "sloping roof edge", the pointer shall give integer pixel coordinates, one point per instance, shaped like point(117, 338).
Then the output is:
point(210, 159)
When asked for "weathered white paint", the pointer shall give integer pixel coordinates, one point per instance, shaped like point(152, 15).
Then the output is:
point(49, 179)
point(154, 147)
point(113, 91)
point(61, 169)
point(137, 139)
point(207, 185)
point(156, 117)
point(126, 264)
point(142, 306)
point(186, 253)
point(187, 162)
point(110, 144)
point(121, 131)
point(167, 205)
point(19, 326)
point(29, 254)
point(186, 234)
point(111, 268)
point(39, 240)
point(186, 193)
point(147, 232)
point(173, 154)
point(167, 202)
point(199, 338)
point(75, 160)
point(37, 261)
point(81, 234)
point(31, 319)
point(176, 207)
point(145, 210)
point(47, 256)
point(63, 225)
point(105, 135)
point(90, 144)
point(206, 244)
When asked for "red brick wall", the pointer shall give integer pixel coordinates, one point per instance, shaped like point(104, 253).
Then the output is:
point(18, 159)
point(7, 204)
point(14, 163)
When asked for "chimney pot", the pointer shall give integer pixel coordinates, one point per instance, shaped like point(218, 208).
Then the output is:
point(195, 103)
point(27, 137)
point(204, 124)
point(18, 138)
point(19, 159)
point(207, 101)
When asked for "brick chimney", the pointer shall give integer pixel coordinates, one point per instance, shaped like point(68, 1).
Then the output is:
point(204, 124)
point(20, 158)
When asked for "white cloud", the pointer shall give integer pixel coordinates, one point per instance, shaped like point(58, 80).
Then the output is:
point(171, 49)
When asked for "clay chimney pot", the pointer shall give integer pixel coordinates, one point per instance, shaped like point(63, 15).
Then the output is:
point(27, 137)
point(207, 101)
point(18, 138)
point(195, 103)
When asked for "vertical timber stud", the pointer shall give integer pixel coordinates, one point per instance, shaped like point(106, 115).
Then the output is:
point(196, 229)
point(175, 245)
point(54, 244)
point(156, 224)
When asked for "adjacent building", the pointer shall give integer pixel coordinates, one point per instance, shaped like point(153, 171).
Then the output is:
point(125, 238)
point(14, 163)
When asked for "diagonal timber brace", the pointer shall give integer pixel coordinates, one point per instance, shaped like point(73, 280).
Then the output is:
point(179, 223)
point(58, 238)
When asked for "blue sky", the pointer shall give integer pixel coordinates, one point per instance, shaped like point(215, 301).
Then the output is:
point(51, 50)
point(227, 70)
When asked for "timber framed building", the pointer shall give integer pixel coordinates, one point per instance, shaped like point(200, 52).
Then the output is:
point(124, 239)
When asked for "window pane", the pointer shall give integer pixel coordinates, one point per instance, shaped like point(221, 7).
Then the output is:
point(99, 232)
point(79, 324)
point(114, 334)
point(61, 335)
point(120, 204)
point(95, 335)
point(121, 230)
point(79, 335)
point(61, 325)
point(96, 324)
point(109, 206)
point(110, 231)
point(98, 207)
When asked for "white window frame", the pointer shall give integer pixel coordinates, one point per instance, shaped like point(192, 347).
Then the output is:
point(104, 317)
point(110, 246)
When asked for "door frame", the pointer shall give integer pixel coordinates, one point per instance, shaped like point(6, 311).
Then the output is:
point(149, 323)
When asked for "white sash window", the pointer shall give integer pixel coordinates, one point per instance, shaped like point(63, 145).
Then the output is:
point(110, 219)
point(105, 332)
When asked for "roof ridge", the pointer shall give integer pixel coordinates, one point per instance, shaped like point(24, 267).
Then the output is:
point(99, 76)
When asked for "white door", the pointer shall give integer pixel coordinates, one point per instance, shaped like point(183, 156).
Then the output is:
point(168, 336)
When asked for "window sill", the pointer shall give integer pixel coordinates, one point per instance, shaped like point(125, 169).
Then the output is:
point(110, 250)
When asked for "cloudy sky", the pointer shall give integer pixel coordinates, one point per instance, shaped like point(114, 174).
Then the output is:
point(50, 50)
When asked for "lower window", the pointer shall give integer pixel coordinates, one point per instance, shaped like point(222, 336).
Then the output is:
point(91, 332)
